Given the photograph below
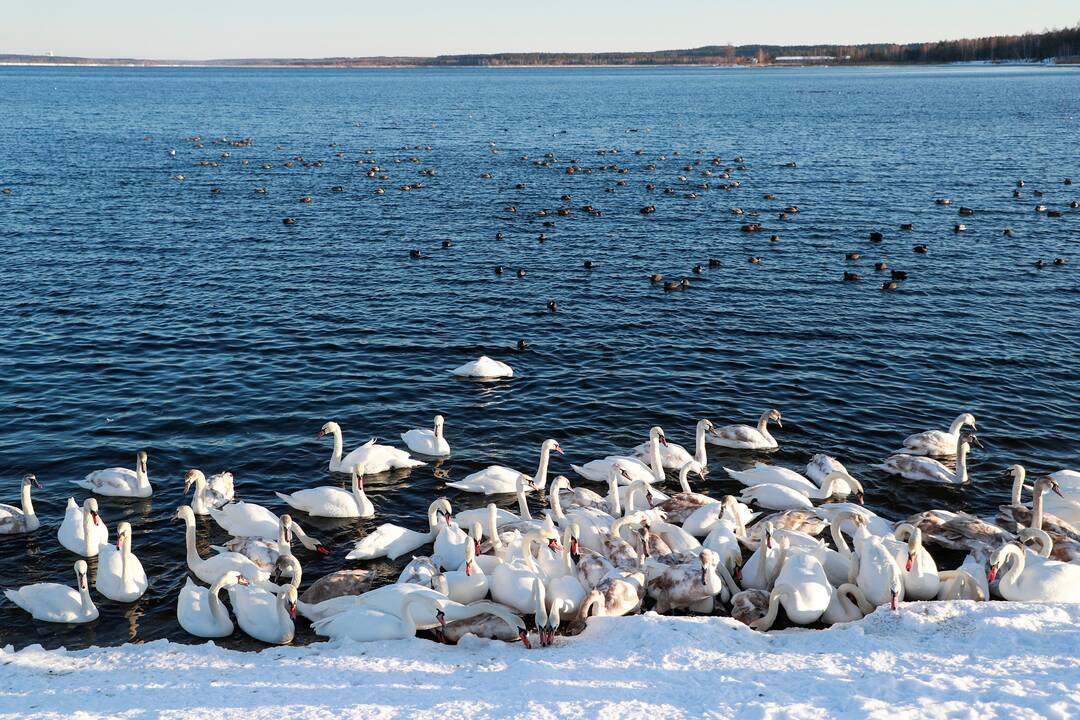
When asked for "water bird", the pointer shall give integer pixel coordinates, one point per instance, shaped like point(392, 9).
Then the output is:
point(921, 249)
point(522, 344)
point(755, 260)
point(552, 306)
point(484, 368)
point(907, 226)
point(966, 211)
point(51, 602)
point(1040, 263)
point(853, 256)
point(498, 269)
point(774, 238)
point(880, 266)
point(876, 237)
point(521, 272)
point(697, 269)
point(588, 264)
point(22, 519)
point(1009, 232)
point(655, 278)
point(714, 263)
point(289, 221)
point(416, 254)
point(1059, 261)
point(889, 285)
point(898, 274)
point(851, 276)
point(447, 244)
point(959, 228)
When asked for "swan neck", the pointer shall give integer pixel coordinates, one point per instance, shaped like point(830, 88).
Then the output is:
point(684, 482)
point(958, 423)
point(1037, 510)
point(1017, 568)
point(493, 529)
point(774, 608)
point(88, 529)
point(533, 538)
point(140, 474)
point(86, 603)
point(613, 498)
point(125, 564)
point(556, 504)
point(838, 539)
point(961, 463)
point(335, 459)
point(1018, 490)
point(763, 424)
point(700, 454)
point(542, 469)
point(212, 599)
point(27, 503)
point(655, 461)
point(193, 558)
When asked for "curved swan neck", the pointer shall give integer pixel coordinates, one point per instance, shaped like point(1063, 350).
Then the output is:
point(774, 606)
point(532, 539)
point(961, 463)
point(556, 503)
point(523, 503)
point(493, 527)
point(335, 458)
point(700, 454)
point(540, 479)
point(358, 490)
point(212, 599)
point(86, 603)
point(1018, 487)
point(656, 463)
point(684, 472)
point(193, 558)
point(26, 503)
point(838, 538)
point(958, 423)
point(763, 424)
point(1016, 569)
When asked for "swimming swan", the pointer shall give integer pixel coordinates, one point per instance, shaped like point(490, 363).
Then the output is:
point(19, 520)
point(333, 502)
point(120, 482)
point(374, 458)
point(52, 602)
point(120, 575)
point(427, 442)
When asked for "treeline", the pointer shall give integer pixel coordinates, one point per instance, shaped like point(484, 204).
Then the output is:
point(1062, 45)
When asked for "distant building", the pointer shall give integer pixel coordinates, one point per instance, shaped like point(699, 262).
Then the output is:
point(805, 58)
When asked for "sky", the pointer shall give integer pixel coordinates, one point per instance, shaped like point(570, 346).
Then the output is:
point(204, 29)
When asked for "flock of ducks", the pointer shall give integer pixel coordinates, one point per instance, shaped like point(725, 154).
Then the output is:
point(642, 543)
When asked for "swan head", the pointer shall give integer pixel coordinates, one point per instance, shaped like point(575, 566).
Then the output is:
point(693, 466)
point(616, 471)
point(328, 429)
point(560, 482)
point(31, 479)
point(896, 587)
point(470, 557)
point(438, 424)
point(288, 599)
point(551, 445)
point(967, 419)
point(123, 535)
point(769, 530)
point(91, 507)
point(185, 513)
point(1048, 483)
point(80, 574)
point(657, 433)
point(709, 561)
point(441, 505)
point(193, 477)
point(574, 542)
point(1017, 471)
point(290, 564)
point(969, 439)
point(774, 415)
point(142, 457)
point(706, 425)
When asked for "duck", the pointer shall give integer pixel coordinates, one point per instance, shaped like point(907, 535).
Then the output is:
point(937, 443)
point(744, 437)
point(250, 520)
point(393, 541)
point(213, 492)
point(211, 569)
point(485, 368)
point(1031, 578)
point(427, 442)
point(674, 456)
point(264, 615)
point(120, 482)
point(23, 519)
point(366, 624)
point(199, 610)
point(848, 604)
point(52, 602)
point(598, 470)
point(374, 458)
point(801, 587)
point(499, 479)
point(82, 531)
point(120, 575)
point(333, 502)
point(918, 467)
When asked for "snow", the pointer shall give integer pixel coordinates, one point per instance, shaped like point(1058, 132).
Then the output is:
point(928, 660)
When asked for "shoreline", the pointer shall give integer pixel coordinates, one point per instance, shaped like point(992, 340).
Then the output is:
point(403, 66)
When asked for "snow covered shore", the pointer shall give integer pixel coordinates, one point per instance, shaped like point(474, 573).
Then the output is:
point(985, 660)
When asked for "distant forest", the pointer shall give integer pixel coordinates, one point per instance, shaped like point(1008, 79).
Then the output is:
point(1062, 46)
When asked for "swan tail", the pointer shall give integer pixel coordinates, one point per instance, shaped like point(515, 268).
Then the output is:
point(221, 550)
point(286, 499)
point(13, 596)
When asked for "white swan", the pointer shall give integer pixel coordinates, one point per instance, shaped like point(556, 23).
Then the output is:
point(264, 615)
point(83, 531)
point(876, 571)
point(772, 474)
point(848, 604)
point(199, 610)
point(19, 520)
point(120, 575)
point(213, 492)
point(374, 458)
point(744, 437)
point(597, 470)
point(52, 602)
point(484, 368)
point(919, 570)
point(801, 587)
point(468, 583)
point(497, 479)
point(264, 553)
point(244, 519)
point(822, 465)
point(211, 569)
point(448, 550)
point(120, 482)
point(427, 442)
point(918, 467)
point(1034, 579)
point(782, 497)
point(393, 541)
point(674, 456)
point(511, 584)
point(362, 623)
point(333, 502)
point(937, 443)
point(681, 505)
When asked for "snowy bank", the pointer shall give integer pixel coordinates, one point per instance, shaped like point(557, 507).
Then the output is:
point(957, 659)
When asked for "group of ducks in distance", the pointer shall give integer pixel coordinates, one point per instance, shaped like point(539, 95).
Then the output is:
point(591, 554)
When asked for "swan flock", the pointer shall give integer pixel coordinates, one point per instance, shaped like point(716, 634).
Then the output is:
point(794, 547)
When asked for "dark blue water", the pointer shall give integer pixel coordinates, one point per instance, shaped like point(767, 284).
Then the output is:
point(144, 312)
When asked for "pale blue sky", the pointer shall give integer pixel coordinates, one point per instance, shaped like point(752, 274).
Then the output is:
point(201, 29)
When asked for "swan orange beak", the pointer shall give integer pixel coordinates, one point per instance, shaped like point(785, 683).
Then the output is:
point(736, 574)
point(992, 575)
point(558, 449)
point(320, 435)
point(910, 562)
point(859, 498)
point(524, 636)
point(94, 515)
point(322, 549)
point(575, 549)
point(292, 611)
point(663, 440)
point(554, 545)
point(894, 604)
point(441, 617)
point(468, 569)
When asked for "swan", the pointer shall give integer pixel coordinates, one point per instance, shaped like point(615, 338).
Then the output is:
point(1034, 579)
point(744, 437)
point(52, 602)
point(685, 585)
point(120, 482)
point(264, 553)
point(427, 442)
point(541, 618)
point(393, 541)
point(468, 518)
point(82, 531)
point(937, 443)
point(566, 590)
point(264, 615)
point(725, 536)
point(838, 512)
point(496, 479)
point(333, 502)
point(837, 563)
point(876, 571)
point(674, 456)
point(761, 568)
point(681, 505)
point(244, 519)
point(511, 584)
point(338, 584)
point(390, 599)
point(597, 470)
point(821, 465)
point(421, 570)
point(1036, 517)
point(19, 520)
point(213, 492)
point(491, 621)
point(801, 587)
point(468, 583)
point(591, 523)
point(199, 610)
point(484, 368)
point(578, 496)
point(782, 497)
point(958, 531)
point(120, 575)
point(919, 570)
point(848, 604)
point(749, 605)
point(366, 624)
point(761, 473)
point(374, 458)
point(619, 593)
point(211, 569)
point(918, 467)
point(449, 545)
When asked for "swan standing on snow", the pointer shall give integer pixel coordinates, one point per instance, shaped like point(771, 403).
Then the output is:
point(120, 575)
point(1031, 578)
point(213, 492)
point(801, 587)
point(498, 479)
point(52, 602)
point(848, 604)
point(918, 467)
point(427, 442)
point(744, 437)
point(937, 443)
point(120, 482)
point(333, 502)
point(598, 470)
point(484, 368)
point(199, 610)
point(393, 541)
point(674, 456)
point(82, 531)
point(19, 520)
point(374, 458)
point(211, 569)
